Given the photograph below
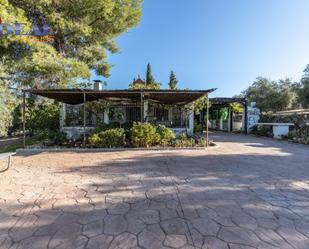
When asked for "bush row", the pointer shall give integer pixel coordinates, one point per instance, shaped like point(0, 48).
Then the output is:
point(141, 136)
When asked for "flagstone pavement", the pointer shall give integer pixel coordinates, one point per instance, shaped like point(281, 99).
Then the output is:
point(247, 193)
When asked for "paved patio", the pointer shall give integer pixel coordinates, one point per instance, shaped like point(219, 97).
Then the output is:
point(248, 193)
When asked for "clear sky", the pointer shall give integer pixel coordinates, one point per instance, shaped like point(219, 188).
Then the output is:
point(215, 43)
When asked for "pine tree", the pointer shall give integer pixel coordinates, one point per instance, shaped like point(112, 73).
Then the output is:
point(82, 33)
point(173, 81)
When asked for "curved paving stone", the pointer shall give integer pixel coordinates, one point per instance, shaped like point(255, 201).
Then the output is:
point(94, 215)
point(238, 235)
point(120, 208)
point(37, 242)
point(93, 229)
point(206, 226)
point(23, 228)
point(149, 216)
point(5, 241)
point(214, 243)
point(175, 241)
point(100, 242)
point(167, 213)
point(135, 225)
point(174, 226)
point(272, 238)
point(114, 224)
point(68, 235)
point(124, 241)
point(295, 239)
point(236, 246)
point(152, 237)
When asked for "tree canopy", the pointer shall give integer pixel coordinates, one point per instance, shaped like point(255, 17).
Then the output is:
point(271, 95)
point(7, 105)
point(82, 31)
point(303, 90)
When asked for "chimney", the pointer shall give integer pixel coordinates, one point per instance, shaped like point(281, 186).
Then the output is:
point(97, 85)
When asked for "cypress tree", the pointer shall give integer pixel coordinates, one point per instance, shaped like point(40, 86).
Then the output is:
point(173, 81)
point(149, 77)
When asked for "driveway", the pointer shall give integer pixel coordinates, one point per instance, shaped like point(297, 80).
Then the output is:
point(248, 193)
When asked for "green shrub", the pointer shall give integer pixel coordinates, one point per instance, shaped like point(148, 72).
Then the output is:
point(262, 131)
point(197, 127)
point(51, 138)
point(127, 129)
point(184, 141)
point(42, 116)
point(144, 135)
point(105, 127)
point(108, 139)
point(291, 135)
point(166, 135)
point(223, 113)
point(127, 125)
point(57, 138)
point(95, 140)
point(202, 142)
point(7, 105)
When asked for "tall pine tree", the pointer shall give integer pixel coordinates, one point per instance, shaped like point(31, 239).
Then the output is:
point(82, 34)
point(173, 81)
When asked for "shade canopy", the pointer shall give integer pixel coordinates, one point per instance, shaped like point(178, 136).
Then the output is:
point(226, 101)
point(76, 96)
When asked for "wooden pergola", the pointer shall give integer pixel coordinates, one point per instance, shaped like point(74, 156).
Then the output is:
point(222, 102)
point(81, 96)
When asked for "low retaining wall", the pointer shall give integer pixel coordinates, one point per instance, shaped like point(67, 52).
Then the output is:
point(89, 150)
point(299, 132)
point(75, 132)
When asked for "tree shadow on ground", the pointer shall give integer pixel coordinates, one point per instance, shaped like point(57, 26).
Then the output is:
point(158, 200)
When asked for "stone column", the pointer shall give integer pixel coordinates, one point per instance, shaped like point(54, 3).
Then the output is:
point(191, 123)
point(170, 116)
point(220, 124)
point(62, 115)
point(229, 121)
point(106, 116)
point(145, 109)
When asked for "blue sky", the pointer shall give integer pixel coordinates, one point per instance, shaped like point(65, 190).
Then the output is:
point(215, 43)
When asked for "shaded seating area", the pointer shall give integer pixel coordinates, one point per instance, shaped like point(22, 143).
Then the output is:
point(222, 117)
point(167, 107)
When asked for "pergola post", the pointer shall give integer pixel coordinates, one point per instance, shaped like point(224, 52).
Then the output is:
point(142, 109)
point(207, 119)
point(24, 119)
point(84, 120)
point(246, 117)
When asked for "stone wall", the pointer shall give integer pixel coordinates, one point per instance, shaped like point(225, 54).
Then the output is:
point(299, 132)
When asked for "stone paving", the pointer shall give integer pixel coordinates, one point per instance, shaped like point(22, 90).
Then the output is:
point(248, 193)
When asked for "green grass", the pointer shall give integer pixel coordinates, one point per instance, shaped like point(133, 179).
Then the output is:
point(13, 147)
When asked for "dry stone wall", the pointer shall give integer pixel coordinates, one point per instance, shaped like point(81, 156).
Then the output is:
point(299, 132)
